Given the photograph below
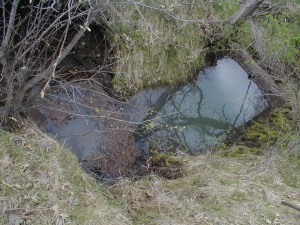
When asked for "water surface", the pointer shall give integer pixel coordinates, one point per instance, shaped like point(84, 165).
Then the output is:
point(199, 114)
point(186, 118)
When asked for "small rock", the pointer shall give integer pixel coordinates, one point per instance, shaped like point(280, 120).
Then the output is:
point(19, 140)
point(25, 167)
point(15, 219)
point(268, 221)
point(44, 178)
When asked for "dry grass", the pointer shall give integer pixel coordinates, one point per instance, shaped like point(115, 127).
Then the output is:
point(216, 190)
point(42, 183)
point(234, 188)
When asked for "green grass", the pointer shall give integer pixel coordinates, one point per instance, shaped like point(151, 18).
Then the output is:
point(226, 9)
point(200, 181)
point(238, 196)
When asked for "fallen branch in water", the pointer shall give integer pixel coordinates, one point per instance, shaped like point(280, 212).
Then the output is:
point(260, 76)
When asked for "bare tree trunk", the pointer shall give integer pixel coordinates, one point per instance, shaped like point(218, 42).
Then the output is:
point(294, 206)
point(246, 10)
point(20, 93)
point(24, 60)
point(265, 82)
point(9, 29)
point(9, 97)
point(7, 74)
point(298, 104)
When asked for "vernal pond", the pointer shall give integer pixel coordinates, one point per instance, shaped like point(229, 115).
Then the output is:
point(198, 114)
point(186, 118)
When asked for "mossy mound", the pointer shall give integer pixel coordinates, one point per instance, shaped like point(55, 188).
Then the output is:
point(264, 131)
point(166, 165)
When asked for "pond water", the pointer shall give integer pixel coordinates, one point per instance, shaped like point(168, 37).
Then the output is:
point(198, 114)
point(72, 122)
point(187, 118)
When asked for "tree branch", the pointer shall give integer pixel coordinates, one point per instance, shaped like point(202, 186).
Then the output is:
point(246, 10)
point(10, 28)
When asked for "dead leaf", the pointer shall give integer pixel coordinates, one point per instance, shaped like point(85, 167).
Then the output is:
point(18, 186)
point(268, 221)
point(64, 187)
point(149, 194)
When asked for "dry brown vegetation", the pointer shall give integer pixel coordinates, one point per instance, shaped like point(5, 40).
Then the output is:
point(42, 183)
point(217, 190)
point(234, 185)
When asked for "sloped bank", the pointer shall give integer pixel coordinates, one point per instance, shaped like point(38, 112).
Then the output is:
point(41, 182)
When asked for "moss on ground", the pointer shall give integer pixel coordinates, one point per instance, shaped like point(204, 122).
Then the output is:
point(240, 151)
point(166, 164)
point(261, 133)
point(267, 130)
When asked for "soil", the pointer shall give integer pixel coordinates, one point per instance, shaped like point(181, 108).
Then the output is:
point(91, 58)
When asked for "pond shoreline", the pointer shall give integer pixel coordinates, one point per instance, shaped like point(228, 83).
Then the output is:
point(111, 160)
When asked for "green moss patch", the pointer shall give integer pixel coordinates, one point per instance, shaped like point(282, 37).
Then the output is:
point(166, 165)
point(239, 151)
point(265, 131)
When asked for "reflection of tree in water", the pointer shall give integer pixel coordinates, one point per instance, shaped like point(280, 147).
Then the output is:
point(187, 124)
point(258, 101)
point(191, 122)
